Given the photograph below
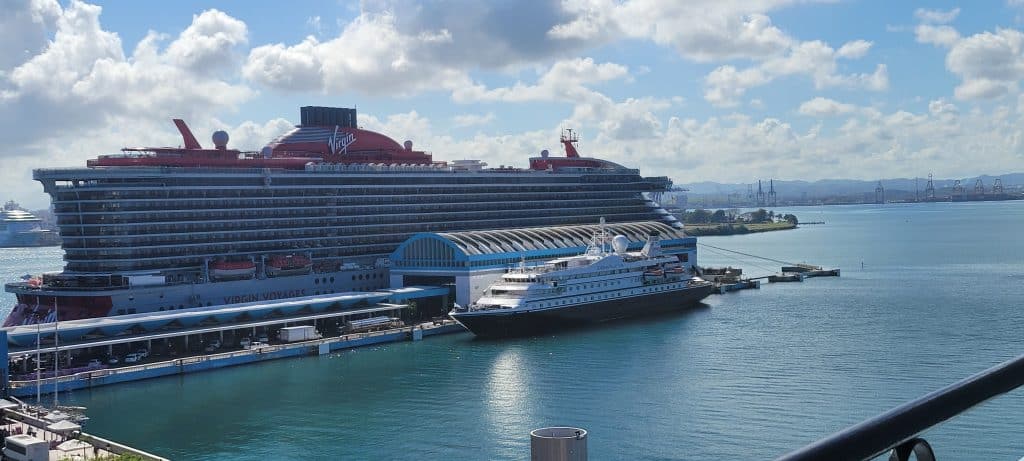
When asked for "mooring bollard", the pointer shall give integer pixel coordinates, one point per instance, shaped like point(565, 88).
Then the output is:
point(558, 444)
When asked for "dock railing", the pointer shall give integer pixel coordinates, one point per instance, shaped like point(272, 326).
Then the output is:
point(898, 431)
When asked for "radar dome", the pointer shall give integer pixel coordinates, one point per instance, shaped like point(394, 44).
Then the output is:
point(408, 145)
point(267, 151)
point(220, 139)
point(544, 153)
point(620, 243)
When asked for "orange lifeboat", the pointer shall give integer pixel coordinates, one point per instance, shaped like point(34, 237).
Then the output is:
point(279, 265)
point(227, 270)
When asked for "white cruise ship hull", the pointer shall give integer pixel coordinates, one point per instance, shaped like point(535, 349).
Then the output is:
point(498, 323)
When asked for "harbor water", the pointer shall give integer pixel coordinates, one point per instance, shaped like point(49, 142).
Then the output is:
point(930, 293)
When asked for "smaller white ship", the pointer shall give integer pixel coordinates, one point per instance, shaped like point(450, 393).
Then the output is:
point(596, 286)
point(19, 228)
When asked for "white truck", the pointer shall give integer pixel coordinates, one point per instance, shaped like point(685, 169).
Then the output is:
point(298, 333)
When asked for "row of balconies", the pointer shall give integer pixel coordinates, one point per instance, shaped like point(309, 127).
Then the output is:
point(93, 226)
point(114, 217)
point(129, 254)
point(143, 205)
point(117, 193)
point(270, 229)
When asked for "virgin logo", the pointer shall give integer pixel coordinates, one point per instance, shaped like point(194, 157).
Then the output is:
point(339, 142)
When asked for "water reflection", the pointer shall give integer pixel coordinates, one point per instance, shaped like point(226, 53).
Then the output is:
point(507, 397)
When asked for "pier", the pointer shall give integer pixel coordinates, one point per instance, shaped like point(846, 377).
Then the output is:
point(102, 351)
point(730, 278)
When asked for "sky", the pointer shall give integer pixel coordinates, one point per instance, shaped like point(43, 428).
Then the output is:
point(697, 90)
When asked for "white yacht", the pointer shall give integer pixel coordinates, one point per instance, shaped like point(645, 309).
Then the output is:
point(596, 286)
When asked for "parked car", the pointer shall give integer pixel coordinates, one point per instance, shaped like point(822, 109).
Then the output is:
point(94, 363)
point(263, 338)
point(112, 360)
point(245, 342)
point(212, 347)
point(257, 345)
point(215, 343)
point(132, 358)
point(142, 353)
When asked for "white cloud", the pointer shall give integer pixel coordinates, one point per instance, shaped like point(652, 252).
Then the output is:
point(815, 59)
point(990, 64)
point(927, 16)
point(23, 29)
point(466, 120)
point(702, 30)
point(81, 95)
point(936, 35)
point(854, 50)
point(564, 81)
point(388, 61)
point(824, 107)
point(209, 44)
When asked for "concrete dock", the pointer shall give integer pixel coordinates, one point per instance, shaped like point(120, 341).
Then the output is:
point(202, 362)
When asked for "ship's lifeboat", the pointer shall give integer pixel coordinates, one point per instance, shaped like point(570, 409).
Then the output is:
point(227, 270)
point(288, 265)
point(654, 273)
point(678, 270)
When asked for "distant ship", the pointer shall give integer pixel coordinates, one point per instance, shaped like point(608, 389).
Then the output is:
point(19, 228)
point(316, 211)
point(596, 286)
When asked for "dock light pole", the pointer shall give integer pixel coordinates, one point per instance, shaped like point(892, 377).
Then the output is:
point(558, 444)
point(56, 352)
point(39, 368)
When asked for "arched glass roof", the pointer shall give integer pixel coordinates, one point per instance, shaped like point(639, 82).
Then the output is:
point(540, 238)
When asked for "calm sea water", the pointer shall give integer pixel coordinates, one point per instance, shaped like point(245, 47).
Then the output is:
point(750, 375)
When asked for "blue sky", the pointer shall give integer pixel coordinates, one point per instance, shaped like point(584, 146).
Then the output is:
point(697, 90)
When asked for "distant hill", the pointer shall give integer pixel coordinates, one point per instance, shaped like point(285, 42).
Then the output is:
point(842, 187)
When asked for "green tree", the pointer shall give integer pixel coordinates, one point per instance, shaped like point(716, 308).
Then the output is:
point(759, 216)
point(791, 218)
point(719, 216)
point(698, 216)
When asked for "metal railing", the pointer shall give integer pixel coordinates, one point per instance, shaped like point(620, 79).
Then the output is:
point(898, 431)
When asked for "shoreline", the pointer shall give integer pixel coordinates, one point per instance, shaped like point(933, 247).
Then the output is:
point(700, 230)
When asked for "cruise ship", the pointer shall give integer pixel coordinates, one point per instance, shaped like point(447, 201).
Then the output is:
point(19, 228)
point(596, 286)
point(316, 211)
